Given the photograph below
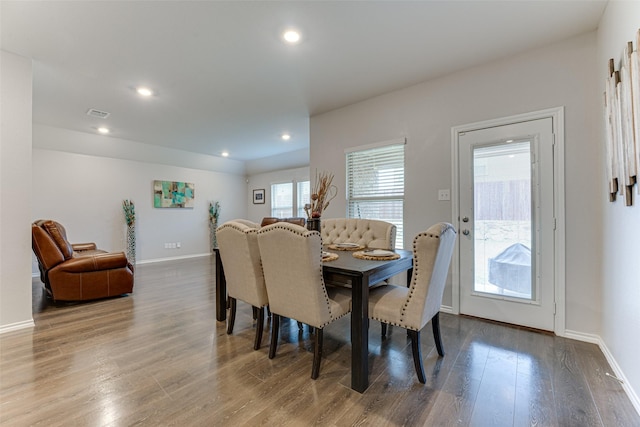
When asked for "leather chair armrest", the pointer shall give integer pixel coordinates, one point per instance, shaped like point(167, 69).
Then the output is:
point(97, 262)
point(79, 247)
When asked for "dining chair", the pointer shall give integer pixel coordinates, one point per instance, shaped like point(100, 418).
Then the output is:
point(412, 307)
point(247, 222)
point(292, 265)
point(371, 233)
point(240, 254)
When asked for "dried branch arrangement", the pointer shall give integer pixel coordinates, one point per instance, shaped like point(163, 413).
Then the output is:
point(323, 192)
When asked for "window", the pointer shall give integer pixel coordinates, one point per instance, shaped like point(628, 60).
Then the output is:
point(284, 202)
point(304, 197)
point(375, 184)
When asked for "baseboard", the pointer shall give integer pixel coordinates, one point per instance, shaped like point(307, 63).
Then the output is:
point(154, 260)
point(617, 371)
point(17, 326)
point(151, 261)
point(581, 336)
point(446, 309)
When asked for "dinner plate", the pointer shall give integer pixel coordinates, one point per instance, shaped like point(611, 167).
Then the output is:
point(378, 252)
point(346, 245)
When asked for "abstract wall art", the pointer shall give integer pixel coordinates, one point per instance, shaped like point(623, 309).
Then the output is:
point(173, 194)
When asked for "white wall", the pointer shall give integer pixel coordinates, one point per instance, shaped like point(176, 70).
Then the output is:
point(263, 181)
point(621, 224)
point(563, 74)
point(15, 191)
point(85, 192)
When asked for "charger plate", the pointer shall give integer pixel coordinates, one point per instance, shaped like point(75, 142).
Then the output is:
point(329, 256)
point(376, 255)
point(345, 247)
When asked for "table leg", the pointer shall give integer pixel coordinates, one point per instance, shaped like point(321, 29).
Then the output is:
point(221, 289)
point(359, 335)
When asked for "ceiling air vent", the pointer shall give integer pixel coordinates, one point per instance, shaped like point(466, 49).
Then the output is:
point(97, 113)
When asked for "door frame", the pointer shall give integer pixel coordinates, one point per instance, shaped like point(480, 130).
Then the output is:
point(557, 116)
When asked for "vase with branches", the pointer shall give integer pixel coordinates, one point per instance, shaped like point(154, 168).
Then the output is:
point(323, 192)
point(214, 213)
point(129, 209)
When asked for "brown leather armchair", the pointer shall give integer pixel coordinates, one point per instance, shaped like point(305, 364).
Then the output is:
point(80, 271)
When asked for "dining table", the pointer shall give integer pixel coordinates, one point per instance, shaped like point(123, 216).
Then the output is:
point(358, 274)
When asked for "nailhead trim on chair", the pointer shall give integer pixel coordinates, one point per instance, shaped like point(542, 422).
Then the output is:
point(415, 277)
point(301, 231)
point(249, 230)
point(361, 227)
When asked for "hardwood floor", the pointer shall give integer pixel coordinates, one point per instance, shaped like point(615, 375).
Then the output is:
point(158, 357)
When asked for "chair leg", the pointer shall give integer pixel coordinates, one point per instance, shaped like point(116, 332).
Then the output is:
point(232, 315)
point(300, 326)
point(417, 356)
point(435, 325)
point(275, 329)
point(259, 328)
point(254, 309)
point(384, 329)
point(317, 354)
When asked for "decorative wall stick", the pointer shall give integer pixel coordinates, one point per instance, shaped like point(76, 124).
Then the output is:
point(622, 124)
point(610, 147)
point(635, 102)
point(626, 118)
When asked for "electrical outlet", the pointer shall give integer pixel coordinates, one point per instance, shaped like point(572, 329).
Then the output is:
point(166, 246)
point(178, 245)
point(444, 194)
point(173, 246)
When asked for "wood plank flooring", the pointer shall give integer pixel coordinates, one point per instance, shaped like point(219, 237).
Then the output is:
point(158, 357)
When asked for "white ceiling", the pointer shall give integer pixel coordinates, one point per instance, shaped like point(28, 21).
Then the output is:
point(226, 81)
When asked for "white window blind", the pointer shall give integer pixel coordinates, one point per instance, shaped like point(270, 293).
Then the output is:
point(375, 184)
point(304, 197)
point(282, 200)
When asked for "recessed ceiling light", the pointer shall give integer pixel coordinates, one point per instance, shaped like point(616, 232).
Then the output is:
point(286, 137)
point(225, 154)
point(103, 130)
point(144, 91)
point(291, 36)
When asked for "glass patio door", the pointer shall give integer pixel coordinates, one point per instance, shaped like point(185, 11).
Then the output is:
point(506, 224)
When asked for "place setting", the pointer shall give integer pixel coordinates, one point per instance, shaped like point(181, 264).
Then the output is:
point(376, 255)
point(329, 256)
point(346, 246)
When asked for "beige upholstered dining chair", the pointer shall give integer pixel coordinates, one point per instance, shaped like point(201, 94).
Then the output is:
point(246, 222)
point(240, 254)
point(412, 307)
point(292, 265)
point(371, 233)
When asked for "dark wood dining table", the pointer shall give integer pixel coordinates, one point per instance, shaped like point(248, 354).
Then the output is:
point(360, 275)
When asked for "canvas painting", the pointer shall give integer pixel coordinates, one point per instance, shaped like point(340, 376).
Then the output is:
point(173, 194)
